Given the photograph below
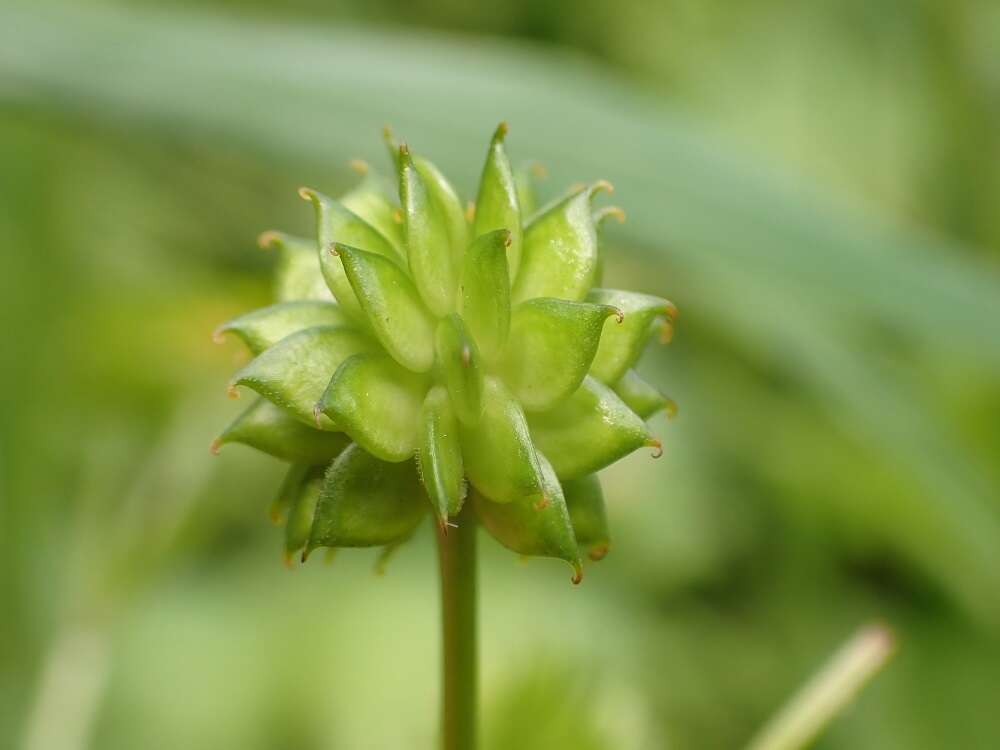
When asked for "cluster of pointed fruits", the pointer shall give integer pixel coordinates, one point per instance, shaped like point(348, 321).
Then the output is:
point(424, 355)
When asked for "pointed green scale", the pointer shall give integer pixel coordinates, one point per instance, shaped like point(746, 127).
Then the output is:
point(622, 344)
point(439, 454)
point(294, 372)
point(297, 275)
point(392, 307)
point(499, 456)
point(370, 200)
point(542, 528)
point(585, 501)
point(553, 345)
point(588, 431)
point(560, 249)
point(270, 429)
point(497, 204)
point(266, 326)
point(484, 292)
point(336, 224)
point(377, 403)
point(302, 509)
point(288, 491)
point(641, 397)
point(442, 196)
point(366, 502)
point(461, 367)
point(428, 245)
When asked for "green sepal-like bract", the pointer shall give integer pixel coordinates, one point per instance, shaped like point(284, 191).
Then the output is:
point(585, 502)
point(265, 327)
point(294, 373)
point(377, 403)
point(588, 431)
point(439, 454)
point(555, 342)
point(497, 205)
point(621, 345)
point(367, 502)
point(296, 275)
point(422, 350)
point(560, 249)
point(541, 528)
point(270, 429)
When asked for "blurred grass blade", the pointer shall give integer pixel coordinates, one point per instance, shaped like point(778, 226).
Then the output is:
point(828, 692)
point(325, 89)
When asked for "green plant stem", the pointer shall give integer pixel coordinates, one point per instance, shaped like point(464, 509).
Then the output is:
point(460, 690)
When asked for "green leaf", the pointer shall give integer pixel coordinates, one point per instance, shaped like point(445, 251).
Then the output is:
point(370, 200)
point(294, 372)
point(461, 368)
point(439, 455)
point(432, 261)
point(560, 249)
point(302, 508)
point(555, 342)
point(336, 224)
point(377, 403)
point(297, 275)
point(499, 456)
point(641, 397)
point(266, 326)
point(588, 431)
point(366, 502)
point(484, 292)
point(270, 429)
point(497, 204)
point(622, 344)
point(585, 501)
point(540, 529)
point(392, 306)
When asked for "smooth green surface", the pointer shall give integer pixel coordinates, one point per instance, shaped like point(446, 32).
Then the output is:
point(533, 526)
point(439, 454)
point(588, 431)
point(585, 502)
point(266, 326)
point(367, 502)
point(460, 692)
point(500, 459)
point(461, 368)
point(497, 205)
point(294, 373)
point(560, 249)
point(392, 307)
point(270, 429)
point(622, 342)
point(432, 259)
point(484, 291)
point(377, 403)
point(553, 346)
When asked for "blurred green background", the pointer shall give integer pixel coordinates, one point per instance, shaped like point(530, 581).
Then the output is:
point(816, 185)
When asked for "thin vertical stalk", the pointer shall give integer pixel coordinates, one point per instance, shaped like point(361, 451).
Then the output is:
point(457, 551)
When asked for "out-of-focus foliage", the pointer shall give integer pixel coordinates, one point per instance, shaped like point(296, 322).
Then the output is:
point(816, 186)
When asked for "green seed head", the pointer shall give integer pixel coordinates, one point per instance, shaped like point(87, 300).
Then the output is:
point(423, 354)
